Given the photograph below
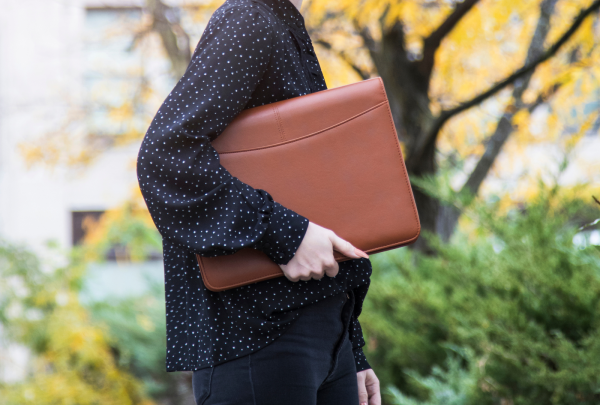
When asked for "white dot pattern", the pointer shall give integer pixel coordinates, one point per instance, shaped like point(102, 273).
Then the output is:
point(252, 52)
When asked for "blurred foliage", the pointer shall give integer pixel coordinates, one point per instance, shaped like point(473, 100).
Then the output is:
point(127, 228)
point(512, 294)
point(138, 338)
point(579, 195)
point(453, 384)
point(109, 352)
point(73, 360)
point(136, 324)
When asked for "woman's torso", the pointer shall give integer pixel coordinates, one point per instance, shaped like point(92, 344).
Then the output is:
point(205, 327)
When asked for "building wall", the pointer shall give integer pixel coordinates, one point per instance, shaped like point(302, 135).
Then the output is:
point(51, 65)
point(39, 56)
point(51, 61)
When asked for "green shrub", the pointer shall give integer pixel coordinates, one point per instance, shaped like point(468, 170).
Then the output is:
point(452, 385)
point(138, 340)
point(515, 291)
point(72, 361)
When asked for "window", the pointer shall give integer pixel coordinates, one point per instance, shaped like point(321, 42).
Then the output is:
point(81, 221)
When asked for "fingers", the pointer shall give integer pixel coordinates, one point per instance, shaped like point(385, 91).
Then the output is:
point(284, 268)
point(331, 267)
point(297, 272)
point(345, 247)
point(363, 395)
point(288, 272)
point(315, 259)
point(372, 387)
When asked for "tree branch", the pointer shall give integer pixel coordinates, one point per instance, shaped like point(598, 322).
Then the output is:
point(495, 143)
point(367, 38)
point(444, 116)
point(174, 38)
point(343, 56)
point(138, 37)
point(504, 127)
point(433, 41)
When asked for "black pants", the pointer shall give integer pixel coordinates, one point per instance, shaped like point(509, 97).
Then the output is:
point(310, 364)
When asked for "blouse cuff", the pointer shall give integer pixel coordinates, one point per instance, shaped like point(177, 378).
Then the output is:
point(284, 234)
point(360, 360)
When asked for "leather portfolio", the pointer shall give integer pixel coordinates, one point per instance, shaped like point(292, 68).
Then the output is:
point(332, 156)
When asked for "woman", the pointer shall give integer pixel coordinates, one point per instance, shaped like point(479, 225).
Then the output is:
point(290, 340)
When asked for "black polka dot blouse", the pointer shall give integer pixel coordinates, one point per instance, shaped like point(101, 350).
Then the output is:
point(252, 52)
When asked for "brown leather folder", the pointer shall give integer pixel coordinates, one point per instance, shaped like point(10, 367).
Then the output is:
point(332, 156)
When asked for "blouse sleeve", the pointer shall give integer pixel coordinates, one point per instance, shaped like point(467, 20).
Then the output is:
point(355, 330)
point(193, 200)
point(358, 342)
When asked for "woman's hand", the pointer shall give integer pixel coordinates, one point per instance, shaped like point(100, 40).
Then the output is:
point(368, 388)
point(314, 256)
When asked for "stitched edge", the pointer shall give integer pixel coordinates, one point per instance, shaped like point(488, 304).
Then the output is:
point(201, 400)
point(212, 370)
point(309, 135)
point(279, 123)
point(250, 377)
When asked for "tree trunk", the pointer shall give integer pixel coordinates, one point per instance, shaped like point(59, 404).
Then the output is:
point(407, 91)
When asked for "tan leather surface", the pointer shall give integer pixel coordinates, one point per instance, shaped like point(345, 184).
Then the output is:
point(332, 156)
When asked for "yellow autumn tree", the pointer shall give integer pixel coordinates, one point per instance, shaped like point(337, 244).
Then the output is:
point(464, 77)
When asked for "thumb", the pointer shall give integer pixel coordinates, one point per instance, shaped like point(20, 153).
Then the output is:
point(345, 247)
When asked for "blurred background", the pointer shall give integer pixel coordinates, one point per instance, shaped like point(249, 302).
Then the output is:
point(496, 103)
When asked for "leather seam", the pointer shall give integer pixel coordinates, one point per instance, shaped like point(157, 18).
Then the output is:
point(309, 135)
point(279, 124)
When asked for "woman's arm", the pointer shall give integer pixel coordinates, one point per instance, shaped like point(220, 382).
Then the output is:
point(192, 198)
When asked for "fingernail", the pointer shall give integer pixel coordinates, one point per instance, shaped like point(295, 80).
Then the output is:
point(361, 253)
point(363, 403)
